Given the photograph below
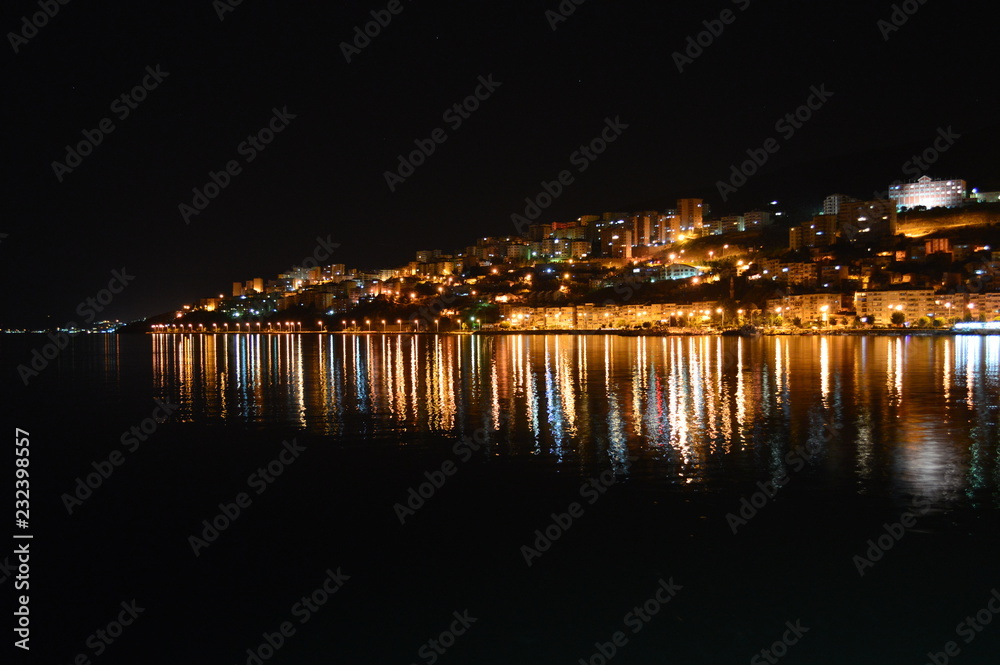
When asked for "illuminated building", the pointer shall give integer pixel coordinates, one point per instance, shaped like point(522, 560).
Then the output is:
point(667, 228)
point(691, 214)
point(579, 249)
point(935, 245)
point(730, 224)
point(808, 307)
point(793, 274)
point(879, 306)
point(860, 220)
point(644, 227)
point(756, 219)
point(929, 193)
point(985, 197)
point(616, 239)
point(680, 271)
point(595, 317)
point(821, 232)
point(518, 253)
point(833, 204)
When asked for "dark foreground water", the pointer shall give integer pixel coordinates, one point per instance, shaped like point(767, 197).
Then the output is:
point(679, 500)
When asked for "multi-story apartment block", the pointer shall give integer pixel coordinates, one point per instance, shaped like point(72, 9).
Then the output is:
point(565, 248)
point(821, 232)
point(644, 227)
point(426, 256)
point(691, 216)
point(929, 193)
point(833, 276)
point(981, 305)
point(595, 317)
point(833, 204)
point(860, 220)
point(808, 308)
point(519, 253)
point(794, 274)
point(616, 241)
point(722, 225)
point(878, 306)
point(756, 219)
point(732, 224)
point(580, 249)
point(667, 229)
point(334, 272)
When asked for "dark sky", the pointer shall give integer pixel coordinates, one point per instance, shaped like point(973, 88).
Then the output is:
point(324, 174)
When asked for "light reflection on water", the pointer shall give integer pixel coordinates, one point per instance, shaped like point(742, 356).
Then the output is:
point(917, 412)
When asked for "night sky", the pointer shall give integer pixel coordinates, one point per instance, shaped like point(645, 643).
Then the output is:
point(323, 175)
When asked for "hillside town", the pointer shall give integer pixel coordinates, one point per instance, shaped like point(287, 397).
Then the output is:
point(921, 255)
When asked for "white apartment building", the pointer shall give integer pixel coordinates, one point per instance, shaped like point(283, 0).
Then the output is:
point(929, 193)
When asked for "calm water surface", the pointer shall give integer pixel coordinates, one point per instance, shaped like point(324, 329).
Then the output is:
point(917, 412)
point(849, 430)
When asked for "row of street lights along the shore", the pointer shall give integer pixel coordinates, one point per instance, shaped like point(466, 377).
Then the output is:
point(372, 325)
point(353, 325)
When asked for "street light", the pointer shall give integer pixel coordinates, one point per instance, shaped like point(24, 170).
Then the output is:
point(437, 328)
point(399, 322)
